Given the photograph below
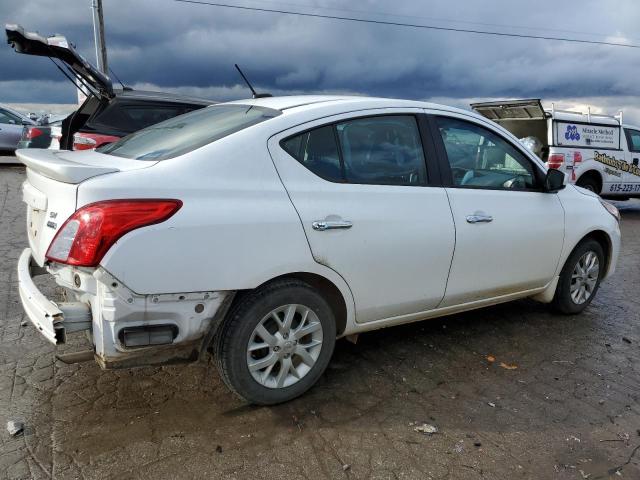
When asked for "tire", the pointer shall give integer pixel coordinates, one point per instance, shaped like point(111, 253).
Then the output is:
point(572, 302)
point(276, 347)
point(589, 183)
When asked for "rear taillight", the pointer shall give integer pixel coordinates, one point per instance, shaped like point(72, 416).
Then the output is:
point(555, 160)
point(91, 231)
point(81, 142)
point(577, 157)
point(32, 132)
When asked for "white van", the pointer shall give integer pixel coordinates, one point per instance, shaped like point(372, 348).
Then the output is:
point(597, 152)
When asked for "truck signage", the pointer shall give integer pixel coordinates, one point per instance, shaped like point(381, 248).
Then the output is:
point(587, 135)
point(616, 163)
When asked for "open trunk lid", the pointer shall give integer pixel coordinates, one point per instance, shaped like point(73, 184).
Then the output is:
point(511, 110)
point(58, 47)
point(50, 190)
point(523, 118)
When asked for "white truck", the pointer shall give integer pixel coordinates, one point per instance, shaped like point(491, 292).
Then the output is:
point(597, 152)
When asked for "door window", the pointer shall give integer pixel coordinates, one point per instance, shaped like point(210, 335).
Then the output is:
point(480, 158)
point(381, 150)
point(633, 137)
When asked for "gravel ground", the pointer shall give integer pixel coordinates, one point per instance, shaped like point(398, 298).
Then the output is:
point(514, 391)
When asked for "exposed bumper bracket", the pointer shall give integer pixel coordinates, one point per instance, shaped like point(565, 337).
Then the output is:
point(52, 320)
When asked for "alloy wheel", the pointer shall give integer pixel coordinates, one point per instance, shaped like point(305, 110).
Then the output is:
point(284, 346)
point(585, 277)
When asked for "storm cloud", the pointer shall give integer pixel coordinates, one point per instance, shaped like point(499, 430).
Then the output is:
point(188, 48)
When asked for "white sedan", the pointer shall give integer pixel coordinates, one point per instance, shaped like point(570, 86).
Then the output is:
point(262, 230)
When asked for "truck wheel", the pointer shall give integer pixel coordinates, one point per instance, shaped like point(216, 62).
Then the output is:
point(276, 342)
point(589, 183)
point(580, 278)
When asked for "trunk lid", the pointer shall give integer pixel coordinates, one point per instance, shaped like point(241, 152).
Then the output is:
point(523, 118)
point(58, 47)
point(511, 110)
point(50, 190)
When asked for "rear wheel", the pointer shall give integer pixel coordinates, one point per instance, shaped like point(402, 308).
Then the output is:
point(580, 278)
point(276, 342)
point(590, 183)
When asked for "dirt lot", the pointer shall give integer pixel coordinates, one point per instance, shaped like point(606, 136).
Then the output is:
point(569, 410)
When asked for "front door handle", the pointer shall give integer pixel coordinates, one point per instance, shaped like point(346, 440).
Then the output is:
point(322, 225)
point(479, 218)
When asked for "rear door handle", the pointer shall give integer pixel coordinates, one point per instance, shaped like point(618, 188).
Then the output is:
point(322, 225)
point(479, 218)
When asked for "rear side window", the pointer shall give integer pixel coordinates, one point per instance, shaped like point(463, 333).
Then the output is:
point(382, 150)
point(318, 151)
point(182, 134)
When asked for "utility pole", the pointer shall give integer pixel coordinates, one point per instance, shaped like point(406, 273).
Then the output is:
point(98, 34)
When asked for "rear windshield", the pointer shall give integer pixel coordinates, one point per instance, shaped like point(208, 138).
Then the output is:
point(185, 133)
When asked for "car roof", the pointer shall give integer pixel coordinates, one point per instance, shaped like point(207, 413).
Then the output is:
point(310, 102)
point(162, 96)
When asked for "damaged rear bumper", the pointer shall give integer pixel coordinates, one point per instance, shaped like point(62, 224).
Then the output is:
point(127, 329)
point(53, 320)
point(42, 312)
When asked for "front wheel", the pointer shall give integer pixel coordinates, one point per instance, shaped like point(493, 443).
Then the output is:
point(276, 342)
point(580, 278)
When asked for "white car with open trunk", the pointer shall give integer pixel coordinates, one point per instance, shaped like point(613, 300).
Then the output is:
point(264, 229)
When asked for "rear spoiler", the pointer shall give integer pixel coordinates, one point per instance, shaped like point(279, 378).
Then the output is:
point(52, 164)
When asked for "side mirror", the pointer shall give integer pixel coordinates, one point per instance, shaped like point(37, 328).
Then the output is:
point(554, 181)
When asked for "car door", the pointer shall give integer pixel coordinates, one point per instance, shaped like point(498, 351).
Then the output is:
point(509, 233)
point(10, 130)
point(632, 177)
point(361, 187)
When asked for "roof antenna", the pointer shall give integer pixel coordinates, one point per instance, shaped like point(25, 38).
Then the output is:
point(124, 87)
point(255, 95)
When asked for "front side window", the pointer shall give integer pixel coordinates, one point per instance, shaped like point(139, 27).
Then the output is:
point(381, 150)
point(633, 137)
point(480, 158)
point(182, 134)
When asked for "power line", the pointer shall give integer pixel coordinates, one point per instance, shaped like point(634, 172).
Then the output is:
point(435, 19)
point(407, 25)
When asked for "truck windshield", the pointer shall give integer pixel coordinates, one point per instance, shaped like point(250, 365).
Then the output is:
point(188, 132)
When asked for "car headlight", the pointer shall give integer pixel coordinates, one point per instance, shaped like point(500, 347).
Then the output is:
point(609, 207)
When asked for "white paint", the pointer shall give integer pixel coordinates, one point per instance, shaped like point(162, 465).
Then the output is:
point(246, 217)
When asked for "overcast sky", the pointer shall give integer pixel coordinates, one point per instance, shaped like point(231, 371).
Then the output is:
point(165, 45)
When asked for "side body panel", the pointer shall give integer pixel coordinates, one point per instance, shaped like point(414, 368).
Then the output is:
point(236, 229)
point(397, 254)
point(519, 250)
point(584, 215)
point(10, 135)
